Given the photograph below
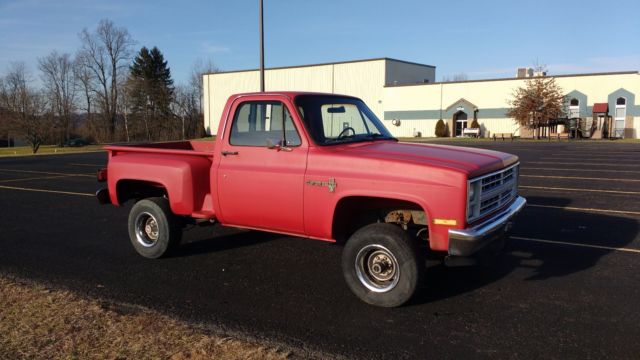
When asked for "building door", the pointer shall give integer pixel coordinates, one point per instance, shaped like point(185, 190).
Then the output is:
point(620, 115)
point(460, 120)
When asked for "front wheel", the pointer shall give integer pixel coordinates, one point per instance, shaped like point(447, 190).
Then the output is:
point(382, 265)
point(153, 228)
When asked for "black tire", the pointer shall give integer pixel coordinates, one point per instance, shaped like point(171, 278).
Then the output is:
point(382, 265)
point(154, 230)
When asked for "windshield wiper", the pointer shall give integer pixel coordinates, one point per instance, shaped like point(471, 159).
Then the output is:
point(379, 136)
point(338, 140)
point(359, 138)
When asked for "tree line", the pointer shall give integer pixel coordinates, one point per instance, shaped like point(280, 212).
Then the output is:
point(105, 92)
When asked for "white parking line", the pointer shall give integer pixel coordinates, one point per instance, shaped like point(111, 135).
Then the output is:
point(581, 163)
point(601, 247)
point(585, 209)
point(604, 157)
point(89, 165)
point(35, 178)
point(578, 178)
point(46, 172)
point(45, 191)
point(575, 189)
point(581, 170)
point(600, 153)
point(599, 158)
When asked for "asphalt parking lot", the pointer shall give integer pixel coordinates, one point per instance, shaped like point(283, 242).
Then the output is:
point(568, 285)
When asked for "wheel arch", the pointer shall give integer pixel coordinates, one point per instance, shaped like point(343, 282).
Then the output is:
point(132, 189)
point(355, 211)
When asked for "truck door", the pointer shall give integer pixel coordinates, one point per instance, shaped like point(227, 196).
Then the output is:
point(262, 164)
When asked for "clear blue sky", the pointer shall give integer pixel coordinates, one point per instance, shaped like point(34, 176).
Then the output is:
point(481, 39)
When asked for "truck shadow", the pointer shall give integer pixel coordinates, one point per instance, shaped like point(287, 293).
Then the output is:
point(224, 238)
point(533, 260)
point(523, 260)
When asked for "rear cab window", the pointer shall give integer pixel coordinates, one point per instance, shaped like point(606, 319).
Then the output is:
point(261, 123)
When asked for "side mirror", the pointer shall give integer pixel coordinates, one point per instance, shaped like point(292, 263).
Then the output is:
point(277, 145)
point(271, 144)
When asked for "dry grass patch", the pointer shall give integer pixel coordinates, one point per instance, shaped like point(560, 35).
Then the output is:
point(38, 323)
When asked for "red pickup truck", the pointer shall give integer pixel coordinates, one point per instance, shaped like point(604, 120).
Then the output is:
point(320, 166)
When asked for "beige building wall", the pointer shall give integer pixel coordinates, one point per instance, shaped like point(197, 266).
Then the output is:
point(418, 105)
point(364, 79)
point(407, 98)
point(437, 100)
point(598, 87)
point(217, 90)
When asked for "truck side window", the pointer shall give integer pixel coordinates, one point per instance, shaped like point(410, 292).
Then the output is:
point(257, 122)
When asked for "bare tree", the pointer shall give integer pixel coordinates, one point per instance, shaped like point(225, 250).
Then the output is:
point(455, 77)
point(125, 104)
point(59, 82)
point(186, 106)
point(195, 90)
point(540, 100)
point(106, 51)
point(24, 107)
point(85, 83)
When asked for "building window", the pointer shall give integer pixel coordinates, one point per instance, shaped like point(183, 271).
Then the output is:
point(620, 114)
point(574, 108)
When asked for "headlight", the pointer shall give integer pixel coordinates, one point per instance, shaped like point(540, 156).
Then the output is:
point(474, 187)
point(473, 198)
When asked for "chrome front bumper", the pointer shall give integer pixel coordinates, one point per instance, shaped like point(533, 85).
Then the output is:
point(466, 242)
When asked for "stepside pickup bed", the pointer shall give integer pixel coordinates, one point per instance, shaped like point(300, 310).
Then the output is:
point(320, 166)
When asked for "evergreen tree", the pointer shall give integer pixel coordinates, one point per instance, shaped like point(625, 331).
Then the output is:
point(151, 92)
point(441, 129)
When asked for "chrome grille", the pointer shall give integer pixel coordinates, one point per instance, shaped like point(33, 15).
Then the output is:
point(491, 192)
point(496, 180)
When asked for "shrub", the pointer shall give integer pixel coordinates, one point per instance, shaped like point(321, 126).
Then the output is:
point(441, 129)
point(474, 124)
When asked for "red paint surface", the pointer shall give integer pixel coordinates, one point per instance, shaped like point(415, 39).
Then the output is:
point(601, 108)
point(263, 188)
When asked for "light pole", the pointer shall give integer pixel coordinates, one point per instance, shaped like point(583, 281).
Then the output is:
point(261, 50)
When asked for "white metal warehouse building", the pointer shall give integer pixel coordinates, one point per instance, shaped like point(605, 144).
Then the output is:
point(407, 93)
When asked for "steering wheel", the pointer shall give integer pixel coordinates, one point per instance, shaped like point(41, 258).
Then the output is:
point(344, 131)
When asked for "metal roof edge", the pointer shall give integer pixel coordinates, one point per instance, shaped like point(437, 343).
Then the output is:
point(322, 64)
point(517, 78)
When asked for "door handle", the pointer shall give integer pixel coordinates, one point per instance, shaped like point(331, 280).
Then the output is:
point(225, 152)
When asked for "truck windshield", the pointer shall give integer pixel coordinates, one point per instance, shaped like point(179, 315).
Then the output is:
point(336, 120)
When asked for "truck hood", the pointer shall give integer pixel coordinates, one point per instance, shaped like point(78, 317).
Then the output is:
point(471, 161)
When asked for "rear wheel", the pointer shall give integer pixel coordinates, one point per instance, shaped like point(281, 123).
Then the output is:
point(382, 265)
point(153, 229)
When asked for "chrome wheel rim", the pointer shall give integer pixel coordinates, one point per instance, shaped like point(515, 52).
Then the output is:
point(147, 230)
point(377, 268)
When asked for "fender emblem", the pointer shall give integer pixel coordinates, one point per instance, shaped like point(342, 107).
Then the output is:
point(331, 184)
